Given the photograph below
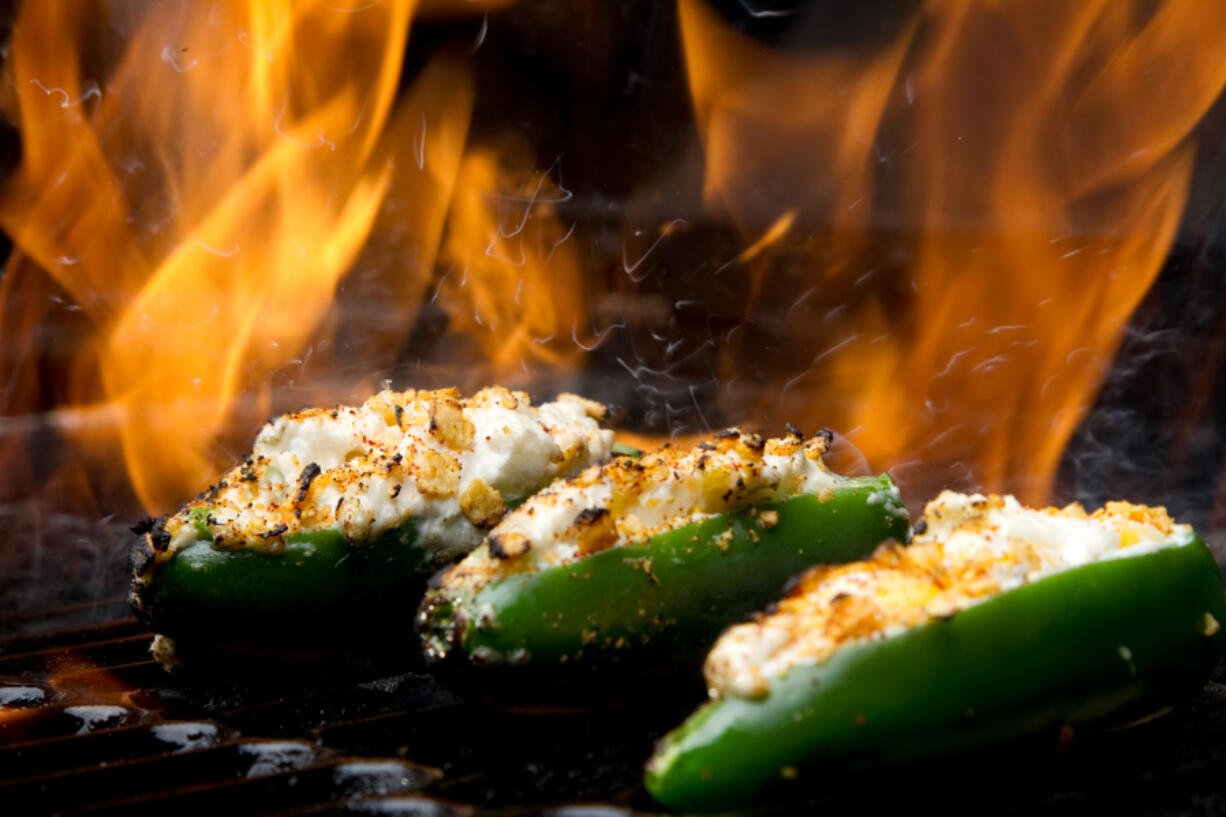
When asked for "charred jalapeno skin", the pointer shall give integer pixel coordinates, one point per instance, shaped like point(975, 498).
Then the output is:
point(319, 590)
point(317, 593)
point(1106, 642)
point(647, 608)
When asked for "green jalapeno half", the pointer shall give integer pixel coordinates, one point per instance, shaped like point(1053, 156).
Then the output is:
point(632, 568)
point(330, 529)
point(997, 622)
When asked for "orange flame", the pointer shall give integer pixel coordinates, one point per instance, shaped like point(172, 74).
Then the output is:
point(201, 204)
point(771, 119)
point(514, 282)
point(942, 234)
point(1041, 170)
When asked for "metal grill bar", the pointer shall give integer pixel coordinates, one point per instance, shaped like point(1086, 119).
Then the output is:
point(129, 649)
point(67, 621)
point(89, 725)
point(260, 794)
point(44, 757)
point(92, 726)
point(32, 723)
point(94, 632)
point(414, 805)
point(63, 791)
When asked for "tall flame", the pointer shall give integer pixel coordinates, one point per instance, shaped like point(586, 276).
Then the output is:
point(514, 283)
point(202, 203)
point(223, 209)
point(1039, 161)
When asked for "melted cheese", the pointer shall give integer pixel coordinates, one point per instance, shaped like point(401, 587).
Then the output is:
point(433, 457)
point(972, 548)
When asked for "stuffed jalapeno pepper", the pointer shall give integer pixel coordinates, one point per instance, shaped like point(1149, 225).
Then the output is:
point(996, 622)
point(338, 516)
point(635, 566)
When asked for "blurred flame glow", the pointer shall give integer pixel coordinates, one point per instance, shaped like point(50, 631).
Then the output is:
point(941, 233)
point(202, 205)
point(514, 281)
point(1042, 167)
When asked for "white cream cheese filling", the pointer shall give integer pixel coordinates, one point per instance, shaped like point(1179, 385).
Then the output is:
point(627, 501)
point(445, 462)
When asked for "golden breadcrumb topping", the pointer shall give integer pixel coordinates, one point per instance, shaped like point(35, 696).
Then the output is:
point(966, 549)
point(445, 460)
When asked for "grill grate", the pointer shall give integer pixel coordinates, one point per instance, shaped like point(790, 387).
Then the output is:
point(90, 725)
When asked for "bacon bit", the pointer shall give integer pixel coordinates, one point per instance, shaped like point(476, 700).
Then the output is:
point(482, 504)
point(509, 545)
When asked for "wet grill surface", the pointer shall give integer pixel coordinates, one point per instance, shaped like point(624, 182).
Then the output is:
point(90, 725)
